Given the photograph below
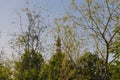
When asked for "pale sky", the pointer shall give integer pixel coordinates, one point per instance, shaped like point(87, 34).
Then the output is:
point(9, 8)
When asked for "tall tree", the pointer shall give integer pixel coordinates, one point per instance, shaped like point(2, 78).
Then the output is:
point(71, 42)
point(29, 66)
point(115, 67)
point(30, 60)
point(115, 48)
point(100, 18)
point(45, 72)
point(90, 67)
point(55, 63)
point(52, 70)
point(31, 36)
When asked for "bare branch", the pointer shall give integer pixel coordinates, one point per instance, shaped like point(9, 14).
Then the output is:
point(114, 34)
point(114, 59)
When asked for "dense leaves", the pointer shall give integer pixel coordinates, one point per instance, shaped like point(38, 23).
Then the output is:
point(91, 67)
point(5, 73)
point(115, 70)
point(29, 66)
point(97, 21)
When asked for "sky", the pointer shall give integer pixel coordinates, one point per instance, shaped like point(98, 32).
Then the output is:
point(8, 15)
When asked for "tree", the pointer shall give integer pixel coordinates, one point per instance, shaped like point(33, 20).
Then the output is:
point(68, 69)
point(101, 20)
point(115, 70)
point(45, 72)
point(58, 67)
point(55, 62)
point(29, 66)
point(31, 35)
point(29, 43)
point(5, 69)
point(115, 48)
point(115, 66)
point(5, 73)
point(55, 66)
point(72, 44)
point(90, 67)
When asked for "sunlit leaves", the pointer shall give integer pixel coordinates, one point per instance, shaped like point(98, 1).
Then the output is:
point(115, 70)
point(90, 65)
point(29, 66)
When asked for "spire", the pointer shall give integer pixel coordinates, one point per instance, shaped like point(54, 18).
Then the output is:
point(58, 45)
point(58, 42)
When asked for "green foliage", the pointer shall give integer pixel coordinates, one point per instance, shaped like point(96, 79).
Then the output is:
point(115, 71)
point(44, 73)
point(99, 17)
point(5, 73)
point(101, 20)
point(55, 65)
point(115, 49)
point(68, 69)
point(29, 66)
point(58, 68)
point(90, 67)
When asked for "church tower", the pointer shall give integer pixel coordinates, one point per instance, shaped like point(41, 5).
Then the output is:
point(58, 41)
point(58, 45)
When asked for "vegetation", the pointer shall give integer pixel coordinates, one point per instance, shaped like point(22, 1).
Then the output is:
point(96, 27)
